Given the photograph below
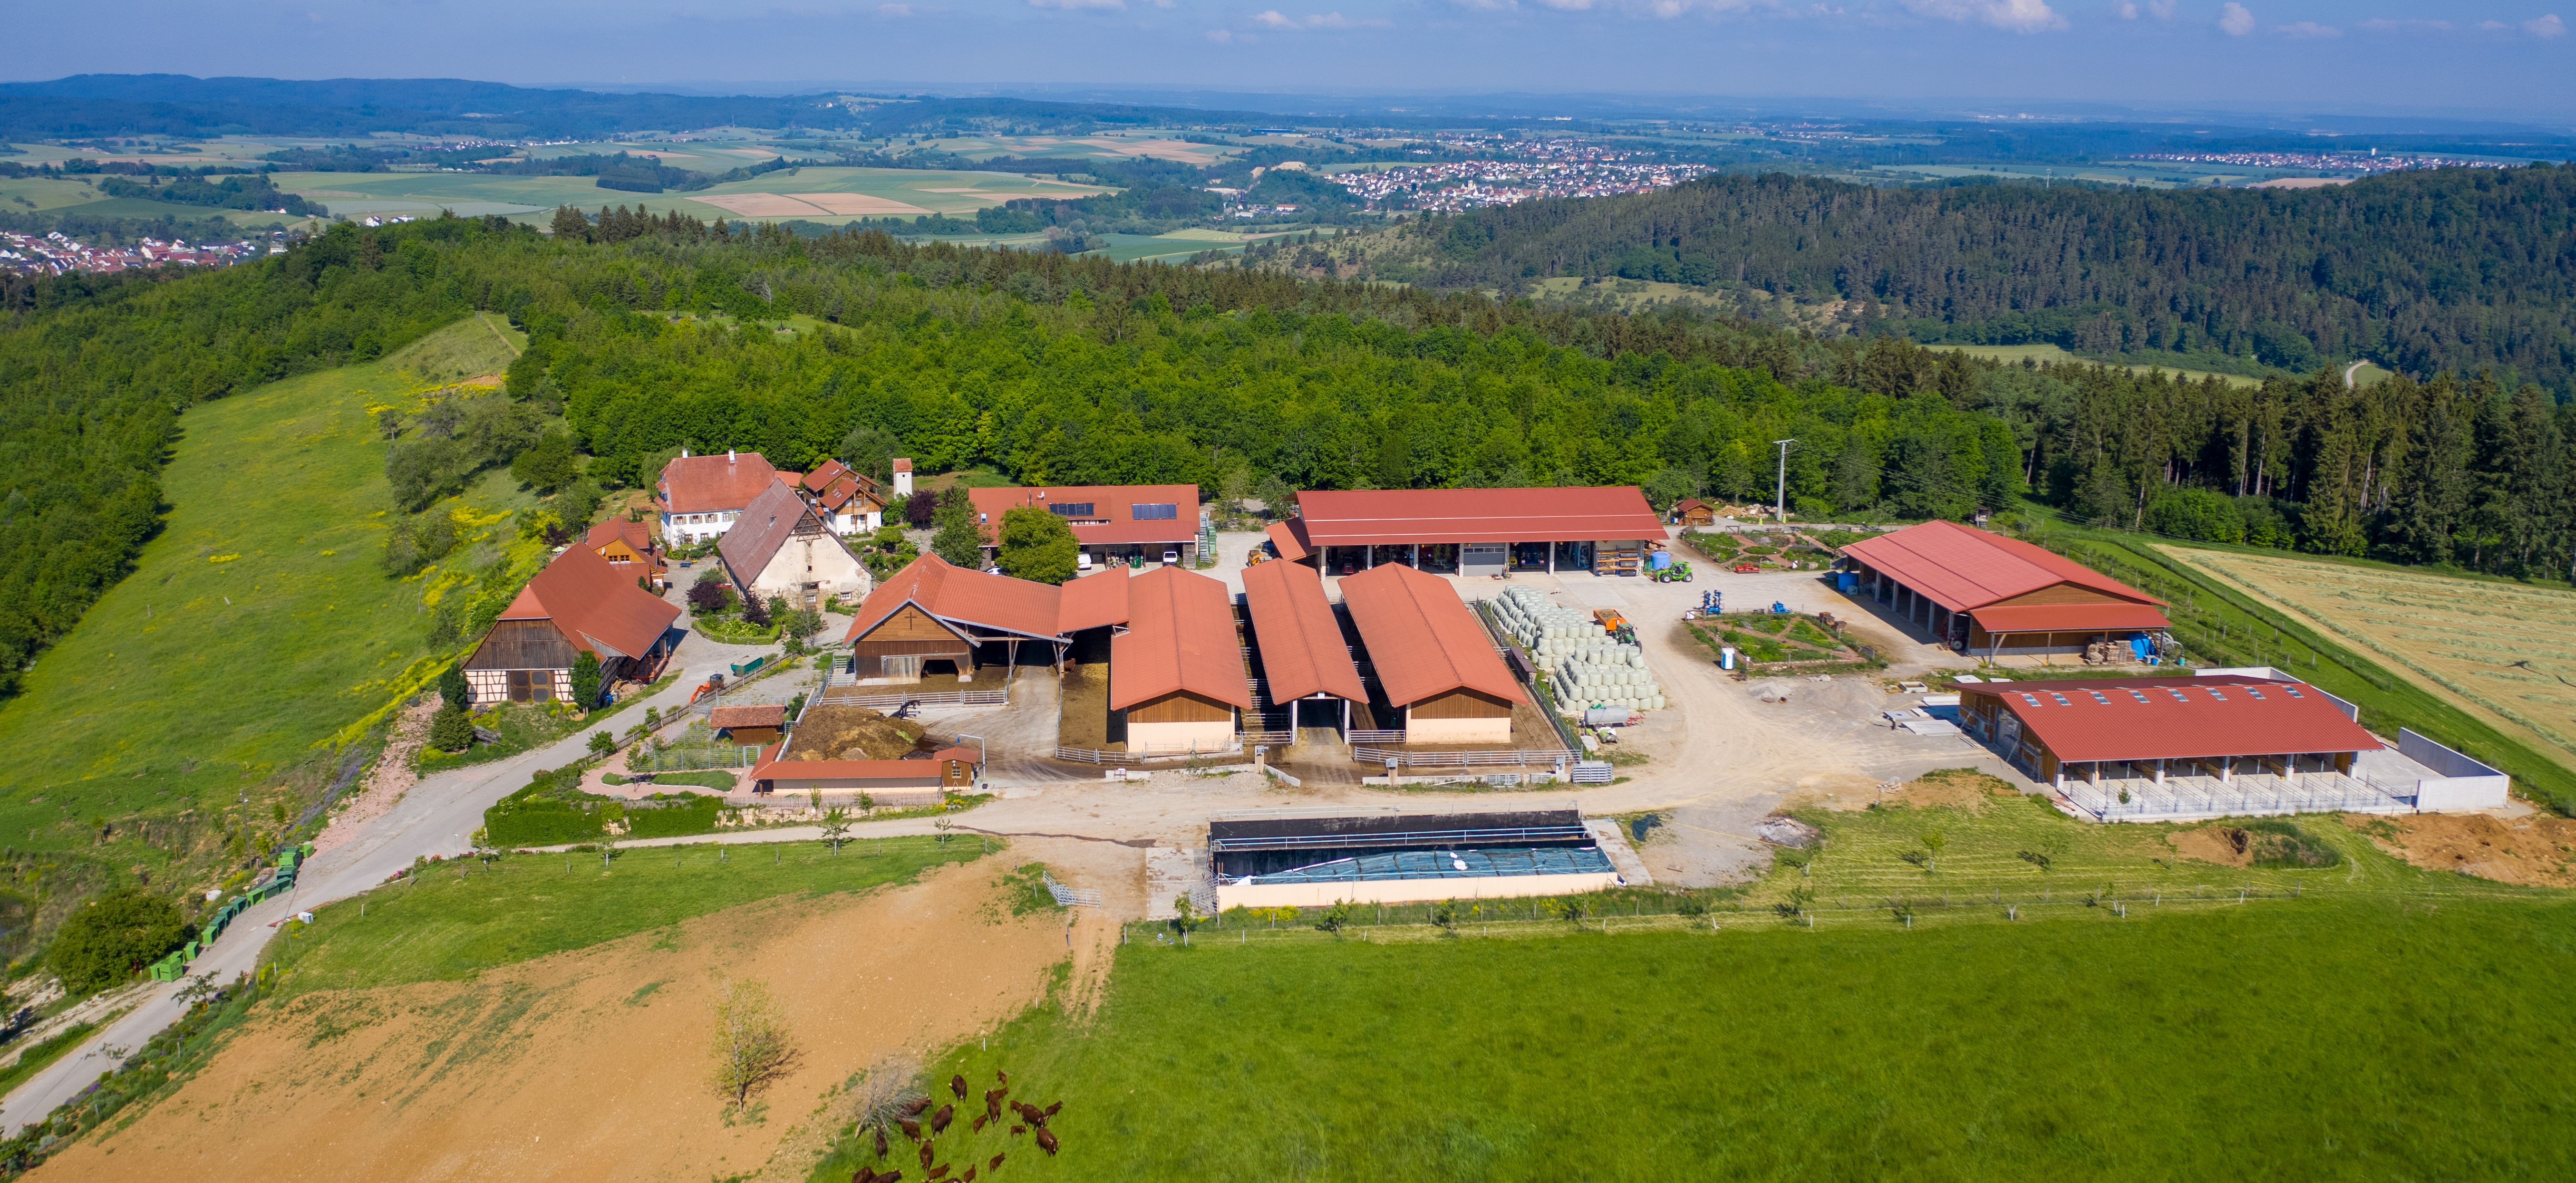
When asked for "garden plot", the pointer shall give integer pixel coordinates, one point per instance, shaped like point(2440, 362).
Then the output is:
point(2502, 650)
point(1792, 640)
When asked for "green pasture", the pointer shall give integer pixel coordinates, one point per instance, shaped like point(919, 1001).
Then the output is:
point(2052, 355)
point(534, 198)
point(1130, 248)
point(447, 921)
point(2312, 1039)
point(255, 626)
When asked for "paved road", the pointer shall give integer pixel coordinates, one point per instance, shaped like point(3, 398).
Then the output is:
point(437, 817)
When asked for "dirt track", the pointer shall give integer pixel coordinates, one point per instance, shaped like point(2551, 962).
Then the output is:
point(592, 1064)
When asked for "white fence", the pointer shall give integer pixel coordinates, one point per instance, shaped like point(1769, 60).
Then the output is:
point(1099, 756)
point(1519, 757)
point(2185, 798)
point(852, 696)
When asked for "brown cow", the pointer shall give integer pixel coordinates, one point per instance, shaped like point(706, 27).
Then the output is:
point(918, 1104)
point(864, 1175)
point(911, 1128)
point(994, 1165)
point(890, 1177)
point(957, 1085)
point(927, 1153)
point(1003, 1077)
point(939, 1171)
point(968, 1177)
point(1029, 1113)
point(881, 1142)
point(993, 1101)
point(1050, 1110)
point(980, 1119)
point(1019, 1129)
point(939, 1121)
point(1046, 1141)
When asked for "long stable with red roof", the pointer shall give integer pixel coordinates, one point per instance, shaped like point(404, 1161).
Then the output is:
point(1431, 657)
point(2148, 726)
point(1468, 531)
point(1176, 676)
point(1303, 654)
point(1990, 595)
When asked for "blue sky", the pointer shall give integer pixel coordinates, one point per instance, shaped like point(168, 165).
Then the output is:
point(2476, 56)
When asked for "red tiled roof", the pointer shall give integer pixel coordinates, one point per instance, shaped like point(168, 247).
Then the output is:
point(2226, 715)
point(637, 535)
point(1180, 637)
point(704, 484)
point(1284, 537)
point(885, 770)
point(1963, 569)
point(960, 753)
point(1302, 650)
point(595, 604)
point(1112, 508)
point(902, 464)
point(823, 475)
point(1395, 516)
point(1422, 639)
point(765, 525)
point(1092, 601)
point(772, 715)
point(2071, 618)
point(962, 597)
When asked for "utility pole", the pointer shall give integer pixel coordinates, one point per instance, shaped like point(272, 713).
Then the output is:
point(1782, 491)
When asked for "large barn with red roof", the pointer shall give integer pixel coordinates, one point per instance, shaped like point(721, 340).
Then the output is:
point(1434, 661)
point(1988, 595)
point(1471, 531)
point(580, 602)
point(1176, 676)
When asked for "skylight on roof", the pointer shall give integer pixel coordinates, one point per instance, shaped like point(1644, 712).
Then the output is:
point(2061, 699)
point(2213, 693)
point(2139, 695)
point(2177, 694)
point(2254, 694)
point(2292, 691)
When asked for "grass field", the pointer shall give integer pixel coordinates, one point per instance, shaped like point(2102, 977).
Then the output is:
point(450, 920)
point(2381, 1022)
point(255, 626)
point(534, 198)
point(2303, 1041)
point(2052, 355)
point(2503, 650)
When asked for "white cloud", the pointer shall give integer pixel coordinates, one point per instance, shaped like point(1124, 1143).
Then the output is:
point(1074, 4)
point(2162, 10)
point(1667, 9)
point(2309, 31)
point(1273, 19)
point(1220, 36)
point(2020, 16)
point(2235, 19)
point(2545, 27)
point(2381, 25)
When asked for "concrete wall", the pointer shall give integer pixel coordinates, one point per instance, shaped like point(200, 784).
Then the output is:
point(2464, 784)
point(1205, 736)
point(1407, 891)
point(1496, 732)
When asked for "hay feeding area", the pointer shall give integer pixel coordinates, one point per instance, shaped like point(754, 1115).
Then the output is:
point(854, 733)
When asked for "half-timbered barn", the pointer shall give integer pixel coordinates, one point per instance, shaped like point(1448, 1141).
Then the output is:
point(579, 602)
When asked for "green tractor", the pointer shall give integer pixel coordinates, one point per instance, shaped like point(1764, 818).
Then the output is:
point(1678, 572)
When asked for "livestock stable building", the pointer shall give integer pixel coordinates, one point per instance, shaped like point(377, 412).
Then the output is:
point(932, 618)
point(1176, 677)
point(580, 602)
point(1606, 530)
point(1293, 858)
point(2179, 747)
point(1991, 596)
point(1124, 522)
point(1433, 660)
point(1306, 661)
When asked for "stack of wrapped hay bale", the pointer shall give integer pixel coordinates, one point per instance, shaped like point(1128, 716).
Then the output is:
point(1586, 667)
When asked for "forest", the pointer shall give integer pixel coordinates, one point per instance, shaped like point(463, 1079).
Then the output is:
point(2425, 271)
point(1046, 367)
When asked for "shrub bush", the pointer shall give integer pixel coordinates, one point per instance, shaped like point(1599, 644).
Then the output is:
point(109, 938)
point(450, 730)
point(673, 817)
point(2279, 844)
point(550, 811)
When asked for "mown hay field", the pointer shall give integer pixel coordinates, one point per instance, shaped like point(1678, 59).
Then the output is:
point(2502, 651)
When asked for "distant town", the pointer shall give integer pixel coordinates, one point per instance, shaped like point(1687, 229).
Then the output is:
point(2364, 162)
point(56, 253)
point(1509, 171)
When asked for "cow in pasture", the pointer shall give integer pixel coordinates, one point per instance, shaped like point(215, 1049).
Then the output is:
point(916, 1106)
point(957, 1085)
point(994, 1165)
point(911, 1128)
point(1046, 1141)
point(881, 1142)
point(939, 1121)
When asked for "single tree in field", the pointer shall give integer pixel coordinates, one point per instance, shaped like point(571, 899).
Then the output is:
point(1934, 840)
point(836, 828)
point(1037, 545)
point(960, 539)
point(750, 1043)
point(1185, 916)
point(602, 743)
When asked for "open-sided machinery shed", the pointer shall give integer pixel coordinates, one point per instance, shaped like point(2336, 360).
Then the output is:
point(1305, 662)
point(1988, 595)
point(1472, 531)
point(1290, 858)
point(932, 614)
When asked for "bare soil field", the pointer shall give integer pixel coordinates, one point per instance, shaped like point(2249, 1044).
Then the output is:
point(2501, 651)
point(2539, 850)
point(593, 1064)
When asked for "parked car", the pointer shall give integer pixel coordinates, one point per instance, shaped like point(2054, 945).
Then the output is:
point(1082, 562)
point(1171, 557)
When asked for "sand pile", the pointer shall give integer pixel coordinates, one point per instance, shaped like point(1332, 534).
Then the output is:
point(853, 733)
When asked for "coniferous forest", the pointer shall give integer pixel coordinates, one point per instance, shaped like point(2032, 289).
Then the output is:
point(2422, 271)
point(644, 339)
